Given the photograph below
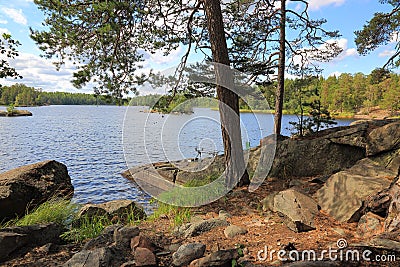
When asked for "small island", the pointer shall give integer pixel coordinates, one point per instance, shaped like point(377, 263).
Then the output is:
point(12, 112)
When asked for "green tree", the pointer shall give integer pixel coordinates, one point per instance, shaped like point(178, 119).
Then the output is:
point(8, 47)
point(108, 39)
point(278, 36)
point(380, 31)
point(307, 95)
point(391, 95)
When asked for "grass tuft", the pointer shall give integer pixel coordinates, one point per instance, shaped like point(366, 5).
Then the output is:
point(177, 215)
point(60, 211)
point(88, 227)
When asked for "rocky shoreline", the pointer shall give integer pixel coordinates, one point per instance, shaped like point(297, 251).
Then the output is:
point(340, 185)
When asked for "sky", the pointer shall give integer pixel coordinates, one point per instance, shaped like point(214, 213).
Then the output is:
point(17, 16)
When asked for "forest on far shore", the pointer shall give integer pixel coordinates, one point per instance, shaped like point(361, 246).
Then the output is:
point(25, 96)
point(344, 95)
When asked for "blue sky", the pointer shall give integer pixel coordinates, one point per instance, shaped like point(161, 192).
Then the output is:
point(17, 16)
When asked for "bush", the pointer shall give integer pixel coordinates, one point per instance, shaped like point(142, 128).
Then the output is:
point(11, 109)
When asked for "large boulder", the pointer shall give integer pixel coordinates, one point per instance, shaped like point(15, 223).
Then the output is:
point(344, 192)
point(328, 152)
point(384, 139)
point(28, 186)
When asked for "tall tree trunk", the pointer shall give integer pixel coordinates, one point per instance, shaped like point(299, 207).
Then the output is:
point(228, 100)
point(280, 90)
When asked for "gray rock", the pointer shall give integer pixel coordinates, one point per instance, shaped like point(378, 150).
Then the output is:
point(370, 225)
point(173, 247)
point(343, 192)
point(386, 243)
point(219, 258)
point(308, 157)
point(26, 187)
point(142, 242)
point(352, 136)
point(390, 159)
point(10, 242)
point(339, 231)
point(384, 139)
point(117, 209)
point(103, 240)
point(144, 257)
point(100, 257)
point(123, 236)
point(187, 253)
point(15, 238)
point(299, 209)
point(222, 214)
point(234, 230)
point(268, 202)
point(200, 227)
point(392, 221)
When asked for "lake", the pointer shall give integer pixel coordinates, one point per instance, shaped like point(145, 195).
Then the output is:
point(97, 143)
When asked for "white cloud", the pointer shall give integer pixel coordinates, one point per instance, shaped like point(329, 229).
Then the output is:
point(4, 30)
point(3, 21)
point(41, 73)
point(347, 52)
point(387, 53)
point(15, 14)
point(317, 4)
point(158, 58)
point(350, 52)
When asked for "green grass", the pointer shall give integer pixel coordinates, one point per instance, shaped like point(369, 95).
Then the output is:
point(195, 192)
point(202, 181)
point(60, 211)
point(87, 228)
point(177, 215)
point(65, 213)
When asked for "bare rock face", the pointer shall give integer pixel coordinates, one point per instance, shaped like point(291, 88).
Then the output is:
point(28, 186)
point(384, 139)
point(328, 152)
point(344, 192)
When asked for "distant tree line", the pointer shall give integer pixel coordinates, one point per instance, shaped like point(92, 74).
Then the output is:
point(343, 94)
point(22, 95)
